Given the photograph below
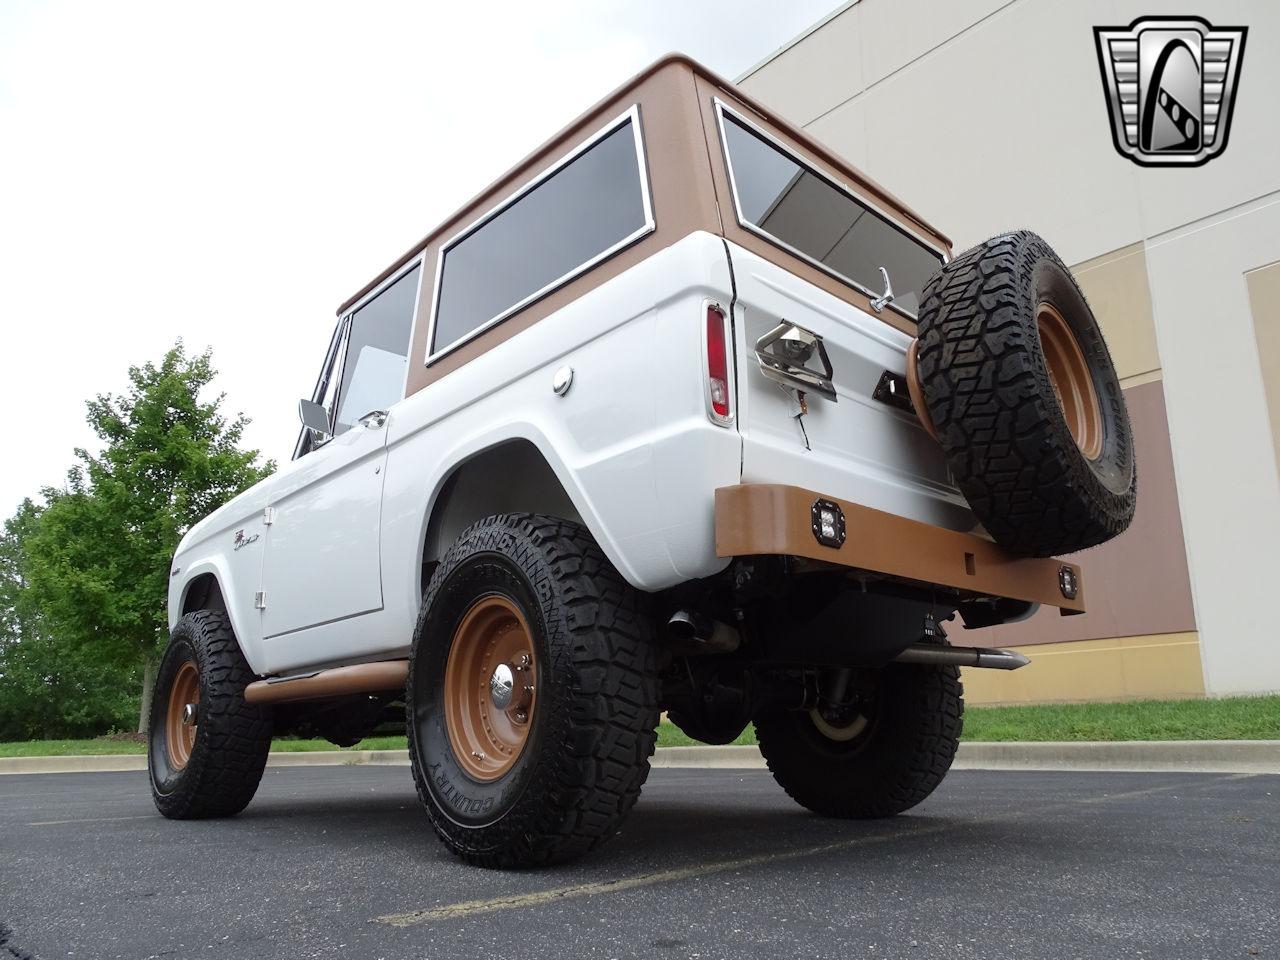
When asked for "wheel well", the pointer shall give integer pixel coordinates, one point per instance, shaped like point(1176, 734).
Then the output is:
point(204, 593)
point(513, 477)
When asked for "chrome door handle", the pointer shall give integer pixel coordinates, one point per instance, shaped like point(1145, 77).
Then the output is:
point(374, 419)
point(881, 301)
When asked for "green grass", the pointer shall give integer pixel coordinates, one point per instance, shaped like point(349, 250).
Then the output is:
point(1237, 718)
point(67, 748)
point(669, 735)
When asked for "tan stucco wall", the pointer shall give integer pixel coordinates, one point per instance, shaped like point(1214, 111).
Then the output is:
point(1137, 584)
point(1160, 666)
point(1117, 288)
point(1264, 302)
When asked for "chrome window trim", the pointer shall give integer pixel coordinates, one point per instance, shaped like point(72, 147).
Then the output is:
point(632, 116)
point(721, 110)
point(322, 381)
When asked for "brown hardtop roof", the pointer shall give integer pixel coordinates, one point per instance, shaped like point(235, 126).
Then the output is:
point(549, 151)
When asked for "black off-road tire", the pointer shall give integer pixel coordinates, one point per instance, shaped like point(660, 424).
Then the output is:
point(901, 756)
point(988, 391)
point(593, 725)
point(232, 737)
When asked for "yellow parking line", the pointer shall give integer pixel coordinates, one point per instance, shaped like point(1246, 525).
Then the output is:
point(519, 901)
point(1166, 788)
point(539, 897)
point(54, 823)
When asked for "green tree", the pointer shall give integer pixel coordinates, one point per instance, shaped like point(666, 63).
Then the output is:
point(97, 563)
point(17, 612)
point(47, 691)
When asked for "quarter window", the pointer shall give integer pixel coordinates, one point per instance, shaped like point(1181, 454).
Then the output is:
point(590, 206)
point(797, 208)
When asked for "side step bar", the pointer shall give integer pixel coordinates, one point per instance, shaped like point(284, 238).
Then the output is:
point(381, 677)
point(386, 676)
point(963, 656)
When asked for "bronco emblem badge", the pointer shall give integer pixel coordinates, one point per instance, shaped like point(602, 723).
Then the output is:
point(243, 541)
point(1170, 84)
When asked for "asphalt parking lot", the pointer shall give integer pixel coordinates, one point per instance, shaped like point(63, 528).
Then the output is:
point(338, 862)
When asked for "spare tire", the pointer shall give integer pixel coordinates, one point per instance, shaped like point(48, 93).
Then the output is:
point(1019, 385)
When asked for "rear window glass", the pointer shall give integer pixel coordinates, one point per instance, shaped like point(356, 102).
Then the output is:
point(797, 208)
point(585, 210)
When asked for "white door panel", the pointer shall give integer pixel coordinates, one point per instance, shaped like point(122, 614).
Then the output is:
point(321, 559)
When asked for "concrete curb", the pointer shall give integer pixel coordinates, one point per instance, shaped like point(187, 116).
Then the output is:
point(100, 764)
point(720, 758)
point(1152, 756)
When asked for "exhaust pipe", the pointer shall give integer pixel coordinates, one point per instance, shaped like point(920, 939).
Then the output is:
point(932, 653)
point(693, 633)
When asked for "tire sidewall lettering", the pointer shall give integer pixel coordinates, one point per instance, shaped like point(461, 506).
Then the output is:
point(468, 802)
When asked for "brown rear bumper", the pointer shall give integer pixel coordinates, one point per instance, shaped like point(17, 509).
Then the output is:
point(753, 519)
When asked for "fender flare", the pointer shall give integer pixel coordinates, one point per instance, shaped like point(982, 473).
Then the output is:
point(478, 444)
point(214, 565)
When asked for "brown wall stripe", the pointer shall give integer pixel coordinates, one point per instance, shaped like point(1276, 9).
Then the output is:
point(1138, 583)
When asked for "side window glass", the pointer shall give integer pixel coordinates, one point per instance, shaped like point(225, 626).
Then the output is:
point(377, 353)
point(583, 211)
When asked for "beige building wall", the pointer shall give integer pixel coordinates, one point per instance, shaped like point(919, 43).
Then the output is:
point(1264, 303)
point(1159, 666)
point(988, 115)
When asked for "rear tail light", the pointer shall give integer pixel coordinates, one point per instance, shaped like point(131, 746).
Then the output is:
point(719, 398)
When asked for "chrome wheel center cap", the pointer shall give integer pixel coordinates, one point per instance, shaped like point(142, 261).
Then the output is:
point(190, 714)
point(502, 686)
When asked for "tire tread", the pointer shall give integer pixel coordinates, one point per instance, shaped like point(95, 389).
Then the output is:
point(609, 727)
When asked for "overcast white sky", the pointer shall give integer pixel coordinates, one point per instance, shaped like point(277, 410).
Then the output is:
point(231, 172)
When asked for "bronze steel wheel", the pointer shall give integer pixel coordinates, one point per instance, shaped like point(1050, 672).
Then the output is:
point(183, 714)
point(206, 746)
point(872, 760)
point(916, 392)
point(1071, 379)
point(532, 701)
point(491, 688)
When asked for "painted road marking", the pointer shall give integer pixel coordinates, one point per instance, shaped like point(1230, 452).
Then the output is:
point(557, 894)
point(55, 823)
point(537, 898)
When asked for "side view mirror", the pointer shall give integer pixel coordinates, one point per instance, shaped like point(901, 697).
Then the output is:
point(314, 417)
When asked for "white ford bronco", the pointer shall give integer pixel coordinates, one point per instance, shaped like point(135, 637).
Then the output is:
point(682, 414)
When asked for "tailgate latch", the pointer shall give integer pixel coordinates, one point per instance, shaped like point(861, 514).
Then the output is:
point(784, 354)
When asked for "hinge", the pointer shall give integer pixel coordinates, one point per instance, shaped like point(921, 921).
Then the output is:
point(269, 515)
point(260, 600)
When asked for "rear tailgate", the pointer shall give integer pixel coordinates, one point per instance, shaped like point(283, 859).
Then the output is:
point(855, 448)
